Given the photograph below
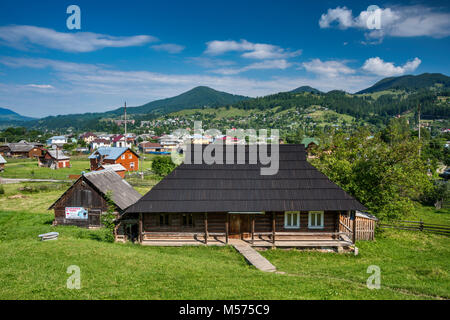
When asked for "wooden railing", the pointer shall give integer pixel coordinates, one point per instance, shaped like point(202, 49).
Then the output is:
point(417, 226)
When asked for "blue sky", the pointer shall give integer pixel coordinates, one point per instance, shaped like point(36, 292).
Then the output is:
point(140, 51)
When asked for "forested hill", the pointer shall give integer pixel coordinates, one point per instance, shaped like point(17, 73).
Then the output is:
point(374, 108)
point(195, 98)
point(377, 104)
point(7, 114)
point(410, 83)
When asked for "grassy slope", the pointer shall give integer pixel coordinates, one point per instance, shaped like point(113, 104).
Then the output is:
point(413, 265)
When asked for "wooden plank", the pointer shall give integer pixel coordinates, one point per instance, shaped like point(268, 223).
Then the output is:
point(273, 227)
point(354, 229)
point(206, 228)
point(227, 226)
point(253, 228)
point(140, 228)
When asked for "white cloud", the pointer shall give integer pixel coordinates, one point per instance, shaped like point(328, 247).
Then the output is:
point(386, 69)
point(21, 37)
point(169, 47)
point(94, 88)
point(343, 16)
point(280, 64)
point(397, 21)
point(330, 68)
point(40, 86)
point(250, 50)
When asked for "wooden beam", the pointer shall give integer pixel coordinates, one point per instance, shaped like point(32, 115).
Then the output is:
point(227, 218)
point(206, 227)
point(354, 229)
point(140, 228)
point(273, 227)
point(253, 228)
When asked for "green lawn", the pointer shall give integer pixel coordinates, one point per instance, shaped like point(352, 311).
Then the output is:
point(28, 168)
point(413, 265)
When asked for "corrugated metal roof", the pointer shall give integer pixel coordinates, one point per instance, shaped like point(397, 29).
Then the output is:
point(240, 187)
point(123, 194)
point(110, 153)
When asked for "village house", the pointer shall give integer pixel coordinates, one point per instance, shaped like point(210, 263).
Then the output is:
point(170, 142)
point(200, 203)
point(58, 141)
point(152, 147)
point(310, 144)
point(117, 168)
point(98, 143)
point(2, 163)
point(111, 155)
point(120, 141)
point(54, 159)
point(88, 137)
point(21, 149)
point(87, 199)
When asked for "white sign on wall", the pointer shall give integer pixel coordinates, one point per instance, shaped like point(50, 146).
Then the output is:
point(76, 213)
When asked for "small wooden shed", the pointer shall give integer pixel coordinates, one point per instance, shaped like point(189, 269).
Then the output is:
point(84, 202)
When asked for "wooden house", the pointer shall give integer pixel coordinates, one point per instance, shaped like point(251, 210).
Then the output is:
point(152, 147)
point(111, 155)
point(84, 202)
point(21, 149)
point(54, 159)
point(2, 163)
point(210, 203)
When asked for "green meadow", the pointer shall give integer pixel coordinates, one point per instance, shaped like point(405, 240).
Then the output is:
point(413, 265)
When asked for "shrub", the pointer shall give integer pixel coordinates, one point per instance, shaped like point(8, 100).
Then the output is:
point(163, 165)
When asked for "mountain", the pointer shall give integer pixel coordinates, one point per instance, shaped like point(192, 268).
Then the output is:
point(306, 89)
point(195, 98)
point(9, 115)
point(410, 82)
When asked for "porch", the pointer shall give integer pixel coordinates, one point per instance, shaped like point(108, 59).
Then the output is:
point(259, 230)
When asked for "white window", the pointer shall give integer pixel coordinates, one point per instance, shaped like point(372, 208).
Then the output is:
point(292, 220)
point(130, 156)
point(315, 220)
point(123, 157)
point(132, 165)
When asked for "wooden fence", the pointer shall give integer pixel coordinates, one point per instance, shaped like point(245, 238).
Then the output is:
point(365, 228)
point(417, 226)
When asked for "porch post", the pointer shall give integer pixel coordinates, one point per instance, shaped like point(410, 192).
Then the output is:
point(140, 228)
point(273, 227)
point(253, 228)
point(354, 228)
point(206, 228)
point(226, 227)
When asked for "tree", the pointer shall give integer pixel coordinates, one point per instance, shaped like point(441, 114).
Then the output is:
point(163, 165)
point(385, 176)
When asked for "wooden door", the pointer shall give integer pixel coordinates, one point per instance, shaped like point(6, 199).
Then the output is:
point(234, 226)
point(239, 226)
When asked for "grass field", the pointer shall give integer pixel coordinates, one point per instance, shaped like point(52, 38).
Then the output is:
point(413, 265)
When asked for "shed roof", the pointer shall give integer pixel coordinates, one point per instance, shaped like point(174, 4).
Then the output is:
point(58, 155)
point(123, 194)
point(240, 187)
point(114, 167)
point(20, 147)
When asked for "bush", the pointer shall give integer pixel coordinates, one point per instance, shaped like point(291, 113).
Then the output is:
point(163, 165)
point(2, 190)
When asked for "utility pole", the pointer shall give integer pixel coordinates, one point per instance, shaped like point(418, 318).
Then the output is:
point(418, 111)
point(125, 116)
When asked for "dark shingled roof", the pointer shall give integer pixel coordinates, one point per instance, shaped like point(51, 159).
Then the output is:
point(241, 188)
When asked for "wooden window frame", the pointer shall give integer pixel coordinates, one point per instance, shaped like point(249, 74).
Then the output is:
point(167, 219)
point(286, 217)
point(322, 219)
point(188, 216)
